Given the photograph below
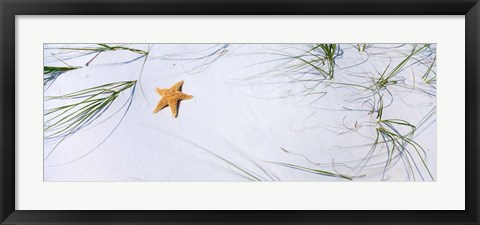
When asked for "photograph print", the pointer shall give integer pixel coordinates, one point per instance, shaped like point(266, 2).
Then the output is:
point(189, 112)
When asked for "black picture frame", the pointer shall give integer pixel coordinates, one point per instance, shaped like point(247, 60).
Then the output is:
point(10, 8)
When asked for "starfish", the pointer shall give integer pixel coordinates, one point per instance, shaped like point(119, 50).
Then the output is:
point(171, 97)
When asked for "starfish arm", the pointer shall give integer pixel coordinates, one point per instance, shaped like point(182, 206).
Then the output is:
point(177, 86)
point(173, 107)
point(161, 104)
point(183, 96)
point(161, 91)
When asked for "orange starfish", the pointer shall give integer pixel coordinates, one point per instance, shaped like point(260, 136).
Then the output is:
point(171, 97)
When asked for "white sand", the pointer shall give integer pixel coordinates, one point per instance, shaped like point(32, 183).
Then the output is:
point(238, 112)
